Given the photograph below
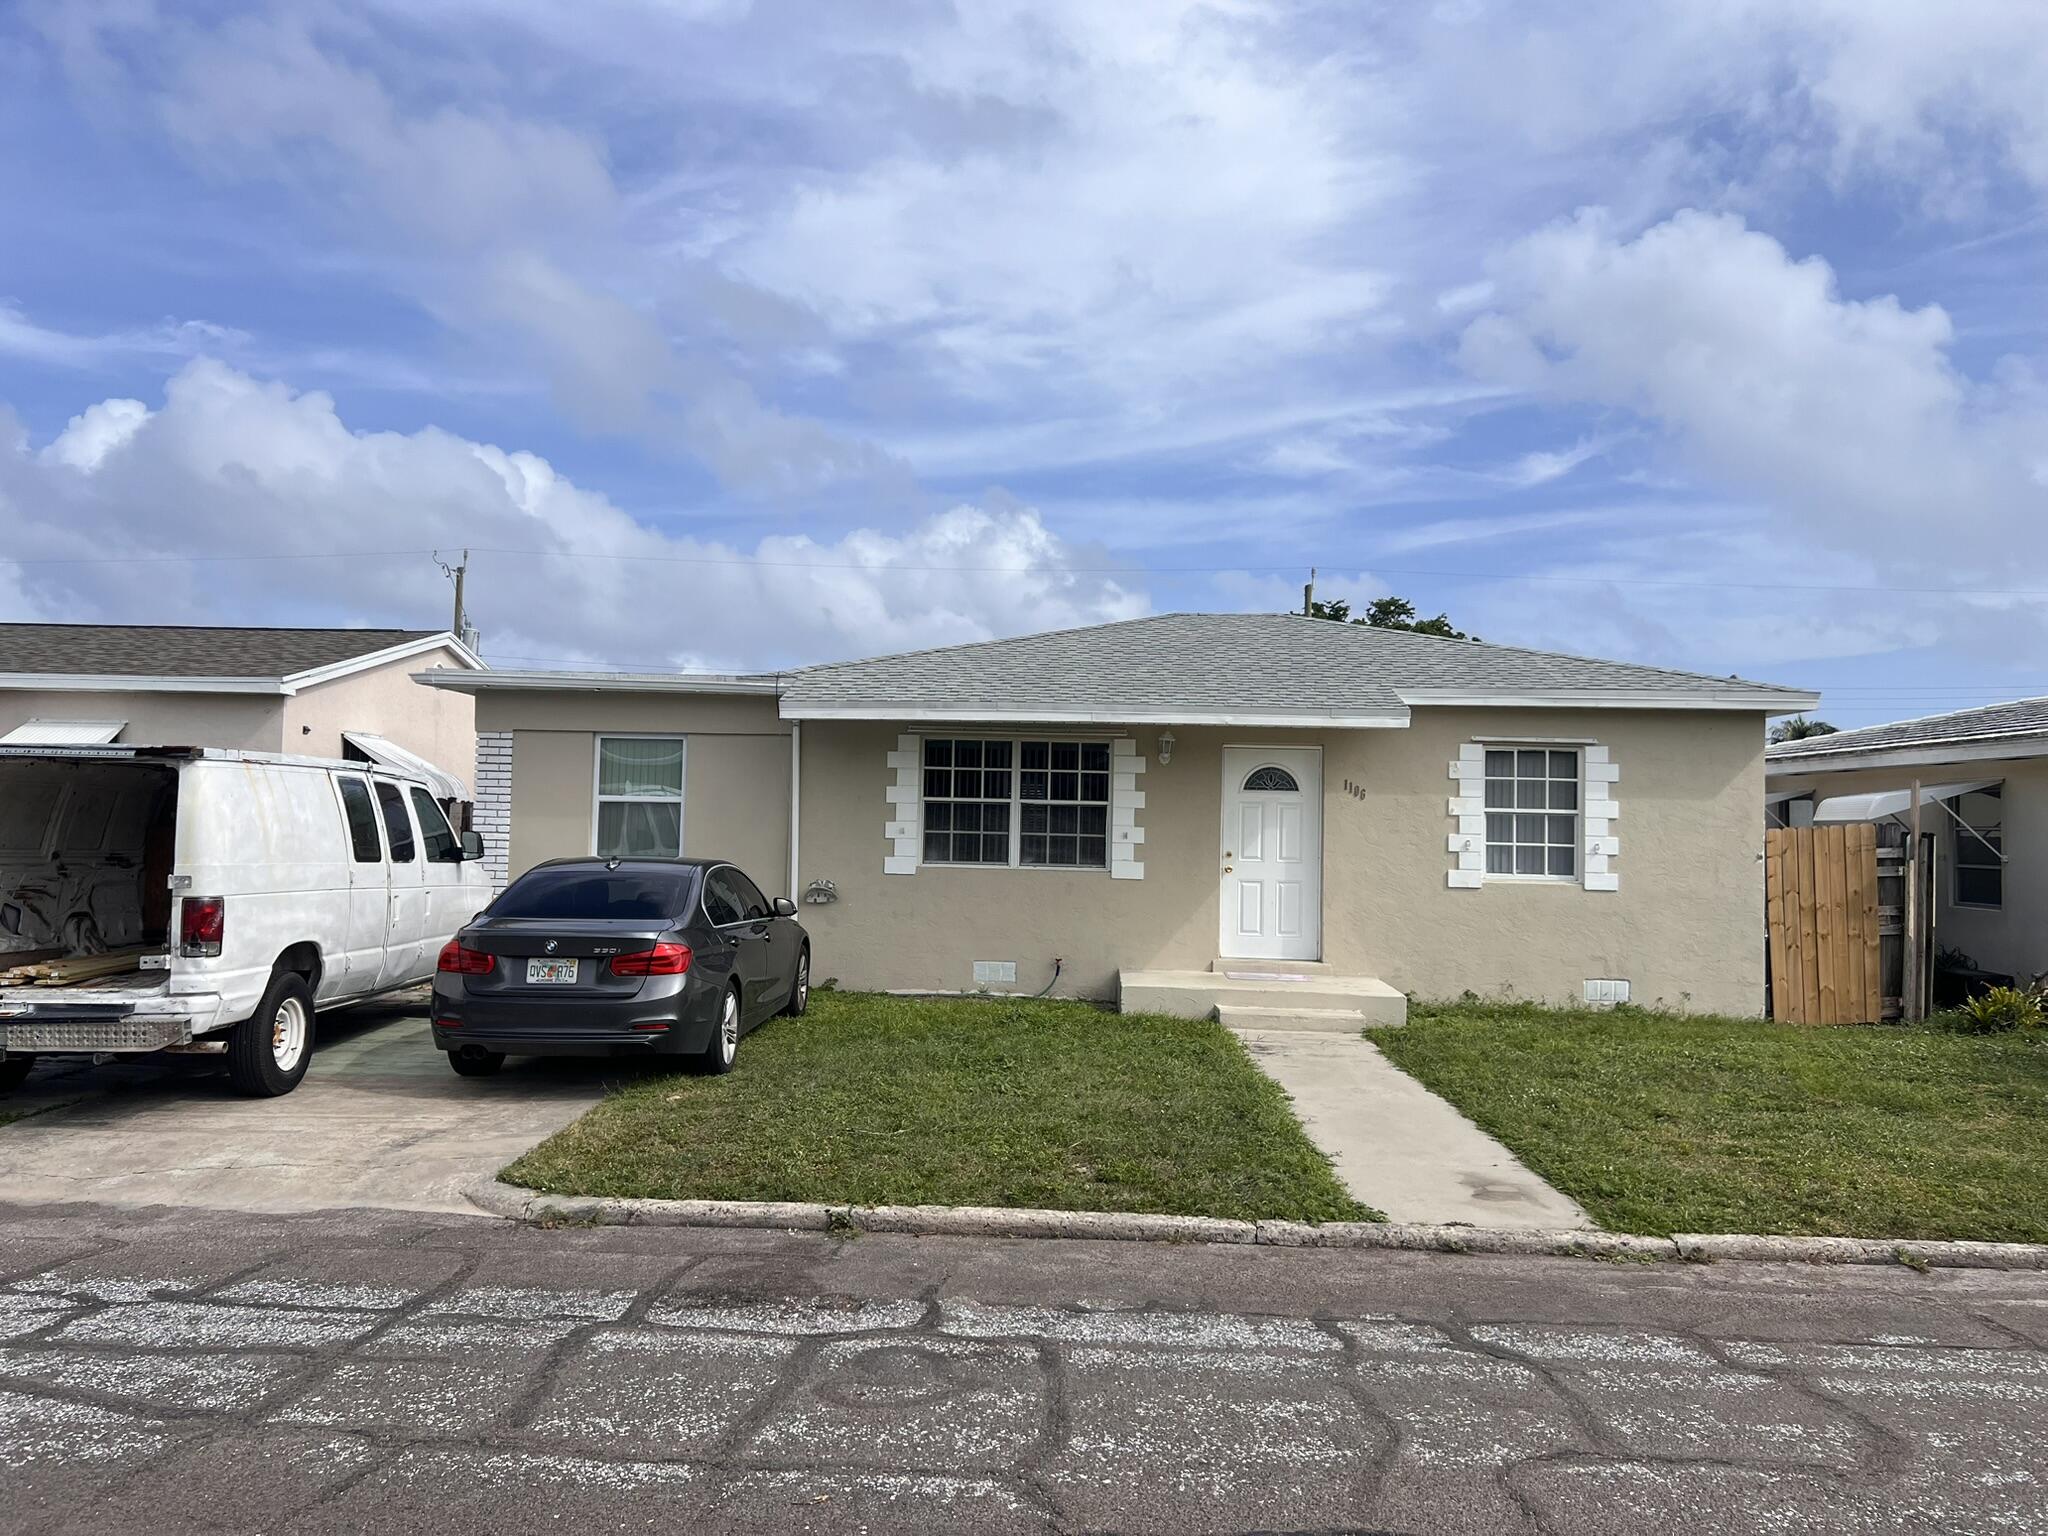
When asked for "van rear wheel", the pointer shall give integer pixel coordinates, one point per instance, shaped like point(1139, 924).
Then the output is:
point(268, 1052)
point(14, 1072)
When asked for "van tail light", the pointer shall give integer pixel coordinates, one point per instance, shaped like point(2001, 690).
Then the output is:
point(202, 924)
point(463, 961)
point(664, 959)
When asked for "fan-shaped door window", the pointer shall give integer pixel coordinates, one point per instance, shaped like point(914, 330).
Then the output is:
point(1271, 778)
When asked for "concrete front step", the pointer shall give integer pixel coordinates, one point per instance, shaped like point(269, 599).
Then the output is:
point(1223, 965)
point(1198, 994)
point(1336, 1021)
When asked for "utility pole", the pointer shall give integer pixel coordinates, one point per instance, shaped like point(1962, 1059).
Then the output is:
point(455, 572)
point(1308, 595)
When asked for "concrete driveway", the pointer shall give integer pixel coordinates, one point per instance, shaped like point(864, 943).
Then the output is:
point(380, 1120)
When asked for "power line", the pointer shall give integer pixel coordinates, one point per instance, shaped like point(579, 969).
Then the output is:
point(1437, 572)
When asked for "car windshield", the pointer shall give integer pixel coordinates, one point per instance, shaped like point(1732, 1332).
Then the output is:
point(595, 893)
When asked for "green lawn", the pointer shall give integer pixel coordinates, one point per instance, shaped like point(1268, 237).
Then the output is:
point(873, 1100)
point(1660, 1124)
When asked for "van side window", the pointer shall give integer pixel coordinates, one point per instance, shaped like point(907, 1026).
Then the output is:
point(396, 824)
point(442, 848)
point(362, 820)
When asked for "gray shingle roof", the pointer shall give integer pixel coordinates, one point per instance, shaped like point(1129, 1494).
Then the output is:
point(186, 650)
point(2018, 719)
point(1241, 664)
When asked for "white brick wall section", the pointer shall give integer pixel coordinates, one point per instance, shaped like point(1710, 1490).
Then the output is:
point(1126, 837)
point(493, 815)
point(904, 796)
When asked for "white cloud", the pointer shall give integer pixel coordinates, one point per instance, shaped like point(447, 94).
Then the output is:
point(95, 432)
point(231, 465)
point(1848, 414)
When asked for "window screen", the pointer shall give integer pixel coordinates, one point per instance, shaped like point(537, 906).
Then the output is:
point(640, 796)
point(397, 826)
point(1532, 812)
point(1980, 872)
point(967, 790)
point(362, 821)
point(1064, 790)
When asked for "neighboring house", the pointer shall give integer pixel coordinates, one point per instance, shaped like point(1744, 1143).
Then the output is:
point(319, 692)
point(1191, 793)
point(1983, 776)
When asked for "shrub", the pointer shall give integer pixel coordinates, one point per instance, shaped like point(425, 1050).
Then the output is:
point(1995, 1012)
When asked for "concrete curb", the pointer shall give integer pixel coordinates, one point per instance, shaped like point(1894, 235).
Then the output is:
point(510, 1201)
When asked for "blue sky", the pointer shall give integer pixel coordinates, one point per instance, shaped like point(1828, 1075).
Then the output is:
point(745, 334)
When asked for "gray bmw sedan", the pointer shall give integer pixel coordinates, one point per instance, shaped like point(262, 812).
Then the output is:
point(617, 957)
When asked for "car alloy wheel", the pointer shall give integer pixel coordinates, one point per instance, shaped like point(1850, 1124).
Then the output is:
point(288, 1033)
point(803, 982)
point(729, 1027)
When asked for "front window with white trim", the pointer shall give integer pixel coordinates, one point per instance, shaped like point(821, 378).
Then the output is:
point(1031, 802)
point(1532, 812)
point(639, 797)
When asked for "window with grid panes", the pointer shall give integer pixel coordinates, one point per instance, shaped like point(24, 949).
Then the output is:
point(1532, 811)
point(968, 787)
point(1063, 794)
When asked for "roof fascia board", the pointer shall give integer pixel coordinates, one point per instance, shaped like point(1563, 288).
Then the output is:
point(1930, 755)
point(495, 681)
point(312, 677)
point(106, 682)
point(1354, 720)
point(1772, 701)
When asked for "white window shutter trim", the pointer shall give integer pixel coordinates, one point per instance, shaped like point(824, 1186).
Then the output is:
point(1599, 810)
point(1467, 841)
point(902, 826)
point(1126, 837)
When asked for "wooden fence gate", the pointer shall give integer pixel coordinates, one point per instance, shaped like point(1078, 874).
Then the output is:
point(1835, 914)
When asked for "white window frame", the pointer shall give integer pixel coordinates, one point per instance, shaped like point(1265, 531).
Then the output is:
point(1577, 813)
point(680, 799)
point(1018, 802)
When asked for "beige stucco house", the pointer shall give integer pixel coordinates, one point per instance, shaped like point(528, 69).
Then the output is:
point(339, 693)
point(1983, 777)
point(1190, 810)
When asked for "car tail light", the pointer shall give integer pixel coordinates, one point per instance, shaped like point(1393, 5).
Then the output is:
point(463, 961)
point(202, 924)
point(664, 959)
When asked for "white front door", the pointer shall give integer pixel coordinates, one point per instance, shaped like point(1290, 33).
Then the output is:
point(1272, 853)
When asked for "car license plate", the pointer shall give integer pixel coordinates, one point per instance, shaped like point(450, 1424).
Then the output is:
point(551, 973)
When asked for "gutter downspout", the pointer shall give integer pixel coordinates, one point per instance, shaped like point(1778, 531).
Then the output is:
point(796, 785)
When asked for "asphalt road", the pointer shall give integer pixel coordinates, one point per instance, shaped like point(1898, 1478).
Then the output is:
point(177, 1370)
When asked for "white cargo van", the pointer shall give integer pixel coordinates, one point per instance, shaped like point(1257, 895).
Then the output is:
point(245, 890)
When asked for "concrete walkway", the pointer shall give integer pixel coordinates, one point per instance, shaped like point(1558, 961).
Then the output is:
point(1397, 1146)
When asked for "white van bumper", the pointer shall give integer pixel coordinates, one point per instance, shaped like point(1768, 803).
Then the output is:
point(35, 1025)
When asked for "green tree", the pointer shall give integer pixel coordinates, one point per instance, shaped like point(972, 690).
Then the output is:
point(1799, 728)
point(1388, 613)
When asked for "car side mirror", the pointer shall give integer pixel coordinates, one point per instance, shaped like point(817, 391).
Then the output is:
point(472, 846)
point(784, 907)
